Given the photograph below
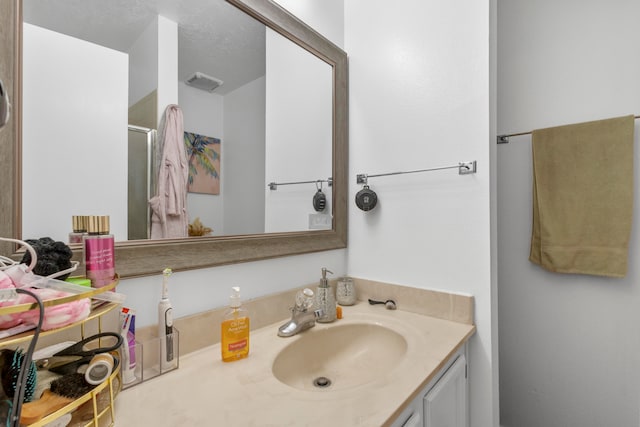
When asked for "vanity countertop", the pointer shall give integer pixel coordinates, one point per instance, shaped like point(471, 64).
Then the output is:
point(205, 391)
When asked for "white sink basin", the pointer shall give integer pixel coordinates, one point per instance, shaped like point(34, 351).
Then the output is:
point(339, 357)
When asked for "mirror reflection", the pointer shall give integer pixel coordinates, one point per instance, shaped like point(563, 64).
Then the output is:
point(97, 78)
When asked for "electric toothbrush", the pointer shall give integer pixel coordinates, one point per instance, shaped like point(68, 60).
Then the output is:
point(165, 324)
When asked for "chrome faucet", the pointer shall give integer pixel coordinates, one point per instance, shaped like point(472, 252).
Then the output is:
point(303, 316)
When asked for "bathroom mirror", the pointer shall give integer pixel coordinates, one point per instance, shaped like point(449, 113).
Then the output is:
point(274, 105)
point(136, 258)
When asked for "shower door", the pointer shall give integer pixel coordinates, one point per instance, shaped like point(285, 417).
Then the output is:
point(141, 182)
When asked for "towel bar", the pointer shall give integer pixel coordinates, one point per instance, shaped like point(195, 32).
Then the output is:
point(274, 185)
point(464, 168)
point(504, 138)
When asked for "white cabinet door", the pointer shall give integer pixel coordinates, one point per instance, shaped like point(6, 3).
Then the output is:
point(411, 416)
point(445, 405)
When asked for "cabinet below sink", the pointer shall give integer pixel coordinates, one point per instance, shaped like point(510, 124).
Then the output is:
point(442, 402)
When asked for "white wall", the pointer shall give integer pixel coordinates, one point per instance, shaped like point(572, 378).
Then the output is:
point(203, 114)
point(167, 64)
point(154, 64)
point(237, 119)
point(298, 135)
point(420, 98)
point(76, 118)
point(569, 344)
point(244, 159)
point(325, 16)
point(143, 64)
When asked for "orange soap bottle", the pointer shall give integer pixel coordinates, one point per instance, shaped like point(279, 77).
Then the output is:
point(234, 331)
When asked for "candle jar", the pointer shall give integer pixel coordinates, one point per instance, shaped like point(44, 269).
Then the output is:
point(345, 291)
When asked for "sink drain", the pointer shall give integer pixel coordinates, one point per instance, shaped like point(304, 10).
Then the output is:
point(322, 382)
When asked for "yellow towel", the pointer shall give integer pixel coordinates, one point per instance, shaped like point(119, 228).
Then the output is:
point(583, 197)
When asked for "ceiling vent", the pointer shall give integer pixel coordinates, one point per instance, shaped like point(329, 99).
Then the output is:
point(204, 82)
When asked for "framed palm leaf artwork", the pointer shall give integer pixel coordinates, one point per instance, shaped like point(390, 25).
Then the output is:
point(204, 163)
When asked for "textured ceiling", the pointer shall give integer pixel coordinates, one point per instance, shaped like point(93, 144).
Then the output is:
point(214, 37)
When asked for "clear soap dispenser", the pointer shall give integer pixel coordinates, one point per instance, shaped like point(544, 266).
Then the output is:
point(326, 299)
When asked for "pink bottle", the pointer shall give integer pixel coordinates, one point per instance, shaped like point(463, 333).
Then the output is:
point(79, 223)
point(99, 254)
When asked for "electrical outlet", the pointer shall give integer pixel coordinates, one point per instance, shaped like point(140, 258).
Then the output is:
point(320, 221)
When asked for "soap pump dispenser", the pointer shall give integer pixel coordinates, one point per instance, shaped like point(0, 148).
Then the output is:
point(326, 299)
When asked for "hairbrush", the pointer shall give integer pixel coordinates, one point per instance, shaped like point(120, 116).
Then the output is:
point(11, 361)
point(63, 391)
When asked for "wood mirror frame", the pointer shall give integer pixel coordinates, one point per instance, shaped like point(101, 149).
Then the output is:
point(141, 258)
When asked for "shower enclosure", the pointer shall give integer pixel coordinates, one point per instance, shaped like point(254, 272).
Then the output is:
point(141, 180)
